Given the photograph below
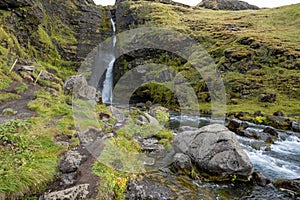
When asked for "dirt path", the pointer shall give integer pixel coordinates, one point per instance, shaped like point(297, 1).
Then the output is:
point(84, 175)
point(19, 105)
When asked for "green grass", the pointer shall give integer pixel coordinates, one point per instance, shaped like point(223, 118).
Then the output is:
point(117, 164)
point(5, 81)
point(21, 89)
point(6, 97)
point(275, 30)
point(27, 160)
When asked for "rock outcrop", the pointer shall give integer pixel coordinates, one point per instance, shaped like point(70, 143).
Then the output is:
point(54, 30)
point(15, 3)
point(215, 150)
point(227, 5)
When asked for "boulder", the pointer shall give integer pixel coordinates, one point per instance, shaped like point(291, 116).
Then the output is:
point(150, 145)
point(90, 134)
point(70, 162)
point(77, 192)
point(215, 150)
point(148, 189)
point(278, 122)
point(292, 186)
point(151, 120)
point(278, 114)
point(236, 125)
point(269, 98)
point(296, 125)
point(69, 178)
point(271, 131)
point(78, 86)
point(258, 114)
point(181, 164)
point(70, 83)
point(118, 114)
point(249, 134)
point(160, 113)
point(261, 179)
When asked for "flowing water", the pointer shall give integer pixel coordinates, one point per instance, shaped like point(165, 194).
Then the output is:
point(282, 160)
point(107, 90)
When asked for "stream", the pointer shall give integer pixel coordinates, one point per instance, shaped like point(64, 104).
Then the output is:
point(281, 160)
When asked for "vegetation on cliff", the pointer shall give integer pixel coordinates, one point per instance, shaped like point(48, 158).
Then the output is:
point(257, 53)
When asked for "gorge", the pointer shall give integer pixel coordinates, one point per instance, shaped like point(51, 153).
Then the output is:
point(58, 140)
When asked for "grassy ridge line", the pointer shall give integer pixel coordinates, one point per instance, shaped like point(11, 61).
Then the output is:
point(257, 51)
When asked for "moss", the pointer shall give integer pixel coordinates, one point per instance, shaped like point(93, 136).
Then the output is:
point(5, 81)
point(115, 171)
point(8, 97)
point(8, 111)
point(21, 89)
point(162, 116)
point(27, 159)
point(48, 51)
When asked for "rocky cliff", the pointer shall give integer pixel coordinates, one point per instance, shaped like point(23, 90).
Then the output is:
point(54, 31)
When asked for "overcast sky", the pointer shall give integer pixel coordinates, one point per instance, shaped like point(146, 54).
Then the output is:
point(260, 3)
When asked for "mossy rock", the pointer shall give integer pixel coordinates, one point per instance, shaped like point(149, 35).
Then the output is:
point(9, 111)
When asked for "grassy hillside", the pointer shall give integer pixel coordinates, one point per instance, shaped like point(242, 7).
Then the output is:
point(257, 51)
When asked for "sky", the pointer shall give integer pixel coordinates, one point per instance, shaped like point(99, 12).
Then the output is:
point(259, 3)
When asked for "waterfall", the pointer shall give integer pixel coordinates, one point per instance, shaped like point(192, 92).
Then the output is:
point(107, 96)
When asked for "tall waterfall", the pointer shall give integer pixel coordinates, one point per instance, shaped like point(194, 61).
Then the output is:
point(107, 96)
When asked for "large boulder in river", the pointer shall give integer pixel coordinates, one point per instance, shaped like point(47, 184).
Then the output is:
point(215, 150)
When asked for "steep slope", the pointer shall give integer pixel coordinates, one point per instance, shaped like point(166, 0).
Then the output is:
point(51, 30)
point(257, 51)
point(48, 39)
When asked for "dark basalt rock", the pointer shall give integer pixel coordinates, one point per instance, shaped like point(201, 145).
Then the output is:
point(271, 131)
point(5, 4)
point(236, 125)
point(227, 5)
point(260, 179)
point(270, 98)
point(278, 122)
point(295, 125)
point(83, 18)
point(292, 186)
point(278, 114)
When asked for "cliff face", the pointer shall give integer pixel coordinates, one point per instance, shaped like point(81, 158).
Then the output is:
point(51, 30)
point(227, 5)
